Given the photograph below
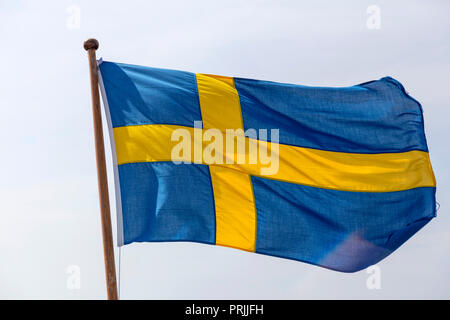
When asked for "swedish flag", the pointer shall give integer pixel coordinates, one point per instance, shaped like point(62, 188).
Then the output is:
point(351, 178)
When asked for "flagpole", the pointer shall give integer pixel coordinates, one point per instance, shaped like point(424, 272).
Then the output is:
point(91, 45)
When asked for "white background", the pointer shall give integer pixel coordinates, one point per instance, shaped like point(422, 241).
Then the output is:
point(48, 186)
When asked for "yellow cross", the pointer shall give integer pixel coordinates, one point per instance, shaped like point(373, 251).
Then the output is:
point(235, 205)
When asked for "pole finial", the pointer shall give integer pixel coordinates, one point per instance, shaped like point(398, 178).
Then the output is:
point(91, 44)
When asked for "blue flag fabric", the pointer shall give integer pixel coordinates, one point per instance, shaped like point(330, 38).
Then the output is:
point(353, 179)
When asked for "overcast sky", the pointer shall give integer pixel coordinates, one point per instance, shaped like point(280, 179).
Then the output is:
point(48, 186)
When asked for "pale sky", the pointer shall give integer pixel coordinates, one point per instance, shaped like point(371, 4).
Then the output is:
point(49, 202)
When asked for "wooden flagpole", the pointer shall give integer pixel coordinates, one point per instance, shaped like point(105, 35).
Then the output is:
point(91, 45)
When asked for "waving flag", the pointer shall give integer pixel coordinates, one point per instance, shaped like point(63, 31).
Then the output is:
point(336, 177)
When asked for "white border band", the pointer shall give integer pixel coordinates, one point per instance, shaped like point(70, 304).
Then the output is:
point(114, 156)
